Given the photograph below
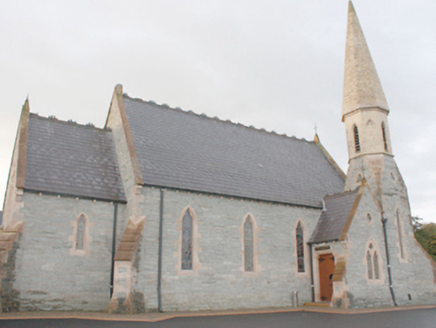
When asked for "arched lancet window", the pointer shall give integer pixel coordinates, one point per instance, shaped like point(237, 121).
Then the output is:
point(372, 262)
point(400, 235)
point(248, 245)
point(376, 268)
point(187, 233)
point(300, 247)
point(80, 234)
point(384, 135)
point(369, 264)
point(80, 238)
point(356, 139)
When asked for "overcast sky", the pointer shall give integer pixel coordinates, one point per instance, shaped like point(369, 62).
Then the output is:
point(276, 65)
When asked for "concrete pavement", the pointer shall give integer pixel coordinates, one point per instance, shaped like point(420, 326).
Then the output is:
point(301, 312)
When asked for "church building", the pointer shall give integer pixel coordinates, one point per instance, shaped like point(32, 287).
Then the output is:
point(168, 210)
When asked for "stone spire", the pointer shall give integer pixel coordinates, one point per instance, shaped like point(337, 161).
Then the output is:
point(362, 87)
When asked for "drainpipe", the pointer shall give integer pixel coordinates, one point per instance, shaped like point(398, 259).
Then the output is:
point(114, 240)
point(391, 287)
point(311, 274)
point(159, 264)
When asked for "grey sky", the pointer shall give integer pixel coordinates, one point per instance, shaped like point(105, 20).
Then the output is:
point(276, 65)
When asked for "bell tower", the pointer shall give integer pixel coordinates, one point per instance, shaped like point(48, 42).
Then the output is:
point(364, 107)
point(365, 115)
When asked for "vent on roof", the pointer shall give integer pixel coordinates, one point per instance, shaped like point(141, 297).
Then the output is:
point(52, 117)
point(71, 121)
point(89, 124)
point(152, 102)
point(165, 105)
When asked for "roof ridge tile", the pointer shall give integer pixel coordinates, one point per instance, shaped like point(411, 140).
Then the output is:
point(70, 122)
point(215, 118)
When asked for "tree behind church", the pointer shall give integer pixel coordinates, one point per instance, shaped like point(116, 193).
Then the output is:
point(425, 234)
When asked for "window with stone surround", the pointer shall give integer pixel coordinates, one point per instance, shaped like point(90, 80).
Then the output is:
point(300, 247)
point(80, 234)
point(248, 231)
point(188, 248)
point(80, 238)
point(187, 231)
point(248, 245)
point(373, 262)
point(401, 246)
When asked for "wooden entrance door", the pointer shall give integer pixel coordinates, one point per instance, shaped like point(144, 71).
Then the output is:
point(326, 268)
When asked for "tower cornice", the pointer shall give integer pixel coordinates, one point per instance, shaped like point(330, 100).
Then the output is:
point(360, 109)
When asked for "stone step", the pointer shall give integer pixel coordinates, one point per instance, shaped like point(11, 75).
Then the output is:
point(317, 304)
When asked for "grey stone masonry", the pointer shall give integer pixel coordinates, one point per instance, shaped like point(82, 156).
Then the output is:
point(220, 281)
point(362, 291)
point(49, 273)
point(412, 276)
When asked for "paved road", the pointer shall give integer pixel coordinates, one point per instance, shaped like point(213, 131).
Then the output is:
point(423, 318)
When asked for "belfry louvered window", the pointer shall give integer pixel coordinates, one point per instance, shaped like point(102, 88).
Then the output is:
point(80, 237)
point(248, 245)
point(187, 231)
point(356, 139)
point(300, 247)
point(384, 135)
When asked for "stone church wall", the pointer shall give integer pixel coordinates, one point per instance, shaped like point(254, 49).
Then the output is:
point(220, 282)
point(49, 273)
point(412, 275)
point(363, 291)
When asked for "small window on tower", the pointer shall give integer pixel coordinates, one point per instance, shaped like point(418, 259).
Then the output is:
point(356, 139)
point(384, 136)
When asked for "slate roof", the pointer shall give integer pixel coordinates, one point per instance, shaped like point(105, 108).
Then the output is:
point(332, 221)
point(72, 159)
point(184, 150)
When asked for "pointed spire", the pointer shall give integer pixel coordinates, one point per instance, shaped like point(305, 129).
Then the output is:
point(26, 106)
point(362, 87)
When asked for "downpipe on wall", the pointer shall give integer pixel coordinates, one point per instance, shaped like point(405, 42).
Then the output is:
point(312, 284)
point(391, 287)
point(159, 264)
point(114, 241)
